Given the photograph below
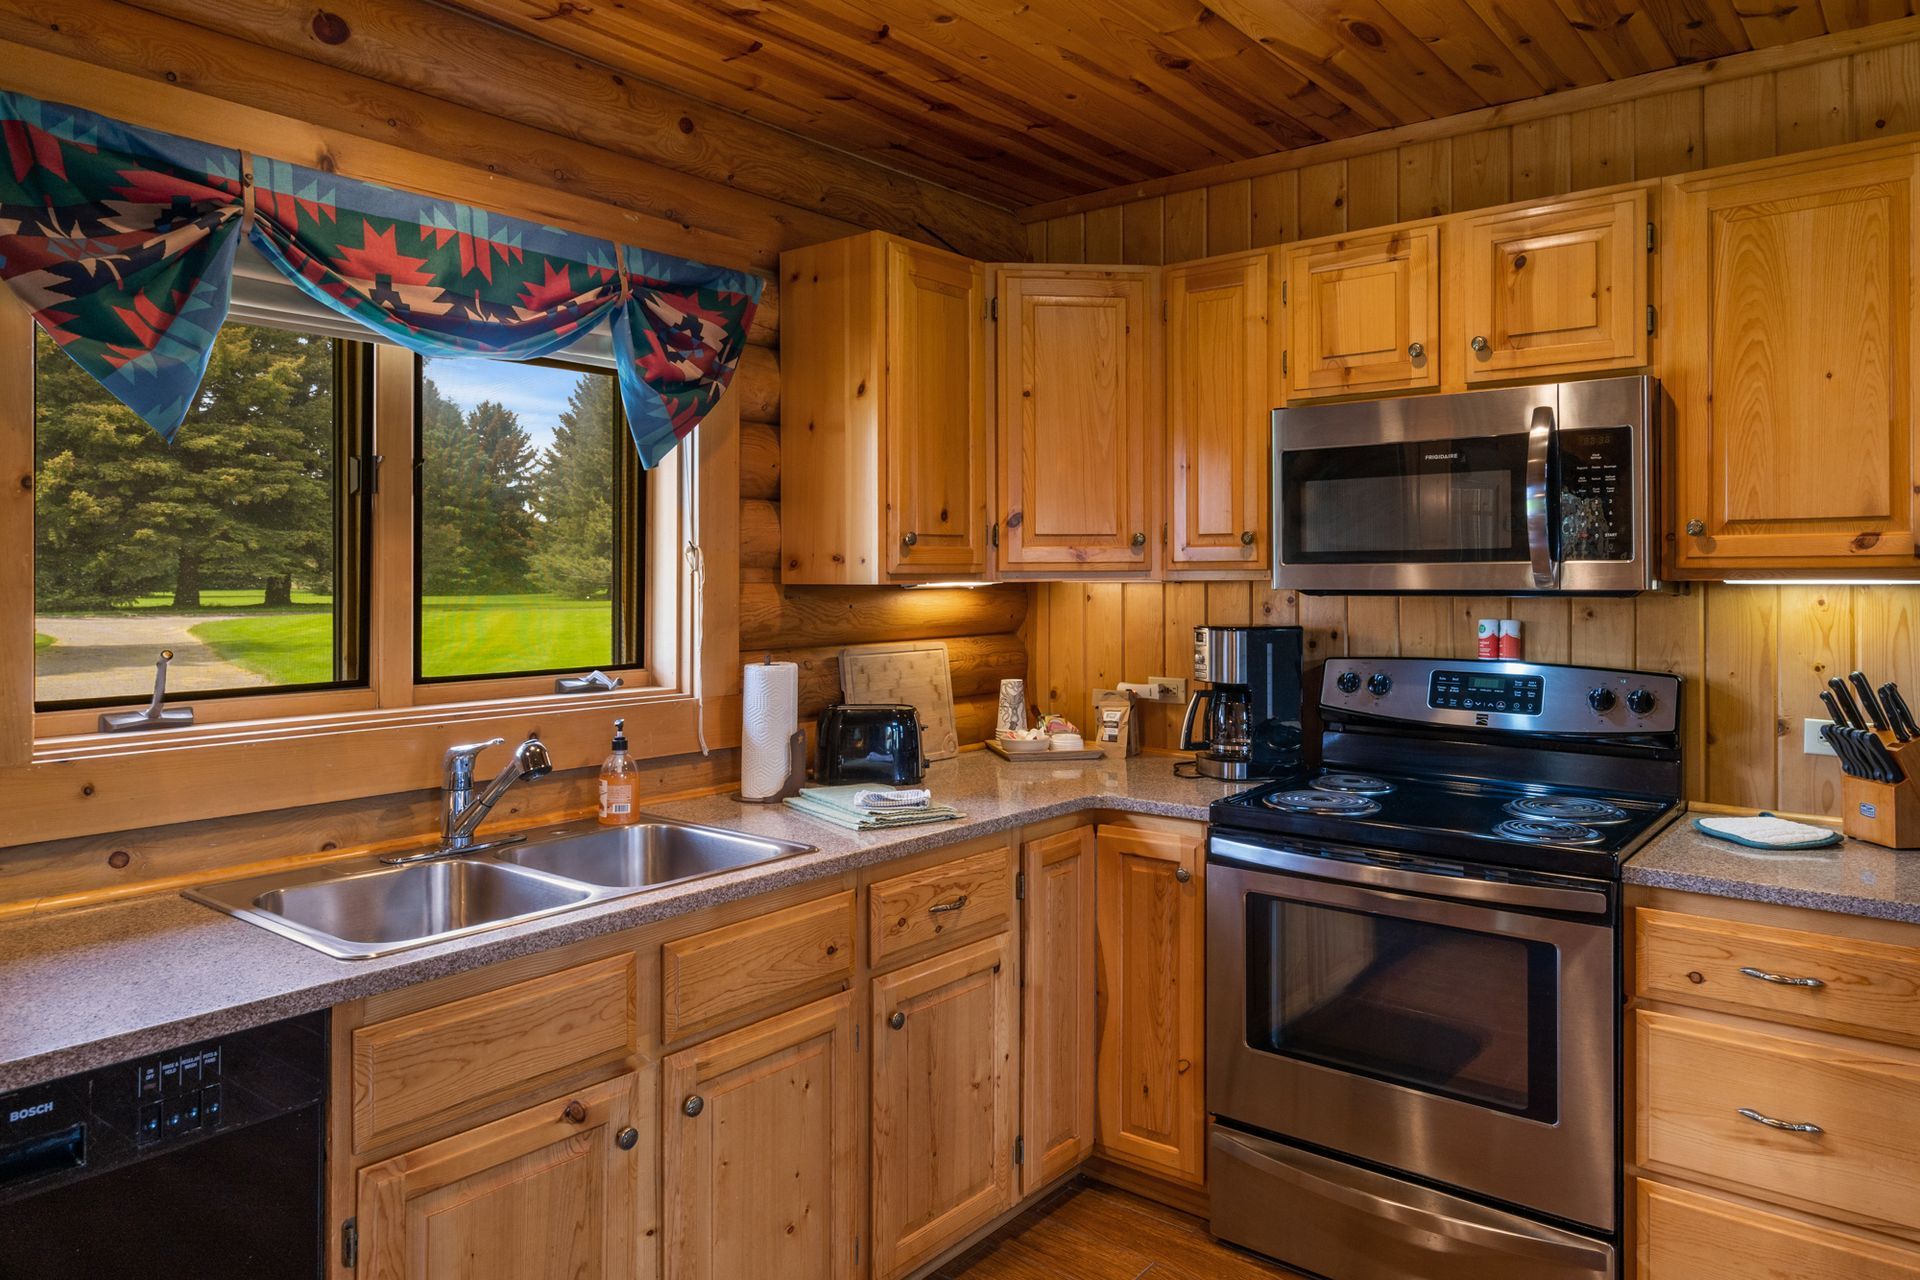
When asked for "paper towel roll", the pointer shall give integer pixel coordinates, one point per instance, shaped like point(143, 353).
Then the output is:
point(771, 713)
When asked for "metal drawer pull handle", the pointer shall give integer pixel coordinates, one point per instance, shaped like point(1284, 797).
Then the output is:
point(1780, 979)
point(1782, 1125)
point(941, 908)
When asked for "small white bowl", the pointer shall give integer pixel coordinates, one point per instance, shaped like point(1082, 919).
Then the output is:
point(1069, 742)
point(1024, 746)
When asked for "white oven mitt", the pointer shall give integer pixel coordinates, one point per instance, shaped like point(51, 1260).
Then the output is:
point(1764, 831)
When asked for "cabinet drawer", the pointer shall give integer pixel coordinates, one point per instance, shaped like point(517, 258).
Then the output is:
point(414, 1071)
point(1685, 1235)
point(718, 975)
point(1862, 1165)
point(910, 910)
point(1870, 989)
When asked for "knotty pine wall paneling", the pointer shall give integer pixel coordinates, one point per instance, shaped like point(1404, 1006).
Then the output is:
point(1754, 656)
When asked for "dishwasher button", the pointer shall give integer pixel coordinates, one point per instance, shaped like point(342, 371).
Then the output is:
point(173, 1117)
point(146, 1080)
point(210, 1062)
point(190, 1071)
point(149, 1127)
point(169, 1075)
point(210, 1105)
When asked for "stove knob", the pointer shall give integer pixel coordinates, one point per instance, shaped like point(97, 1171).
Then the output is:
point(1349, 681)
point(1639, 702)
point(1379, 683)
point(1600, 698)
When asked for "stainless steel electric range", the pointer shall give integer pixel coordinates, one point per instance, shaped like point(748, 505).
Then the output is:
point(1414, 972)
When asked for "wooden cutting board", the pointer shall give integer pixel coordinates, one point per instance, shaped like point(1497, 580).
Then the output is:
point(916, 674)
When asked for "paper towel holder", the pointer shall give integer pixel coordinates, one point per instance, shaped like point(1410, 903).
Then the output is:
point(796, 773)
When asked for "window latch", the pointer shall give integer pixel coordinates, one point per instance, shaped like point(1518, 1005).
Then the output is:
point(592, 682)
point(157, 714)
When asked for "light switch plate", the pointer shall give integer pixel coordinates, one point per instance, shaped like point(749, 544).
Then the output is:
point(1158, 689)
point(1813, 743)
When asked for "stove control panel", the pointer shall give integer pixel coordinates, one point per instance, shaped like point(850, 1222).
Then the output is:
point(1526, 697)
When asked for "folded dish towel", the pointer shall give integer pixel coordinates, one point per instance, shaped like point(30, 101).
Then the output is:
point(1764, 831)
point(842, 806)
point(904, 798)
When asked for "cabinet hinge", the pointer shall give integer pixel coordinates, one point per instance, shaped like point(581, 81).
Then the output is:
point(1283, 364)
point(993, 308)
point(993, 533)
point(1020, 1150)
point(1019, 886)
point(1283, 293)
point(350, 1243)
point(1163, 309)
point(1164, 535)
point(1650, 237)
point(1650, 321)
point(856, 1037)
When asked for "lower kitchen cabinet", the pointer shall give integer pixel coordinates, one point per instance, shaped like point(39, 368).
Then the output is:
point(554, 1192)
point(1057, 1106)
point(944, 1049)
point(760, 1150)
point(1152, 1035)
point(1689, 1235)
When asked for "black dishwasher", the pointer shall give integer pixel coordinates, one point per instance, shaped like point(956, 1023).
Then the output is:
point(203, 1162)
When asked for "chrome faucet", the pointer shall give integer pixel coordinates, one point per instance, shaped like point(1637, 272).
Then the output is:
point(462, 810)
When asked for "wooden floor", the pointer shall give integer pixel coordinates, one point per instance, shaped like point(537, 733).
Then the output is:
point(1086, 1231)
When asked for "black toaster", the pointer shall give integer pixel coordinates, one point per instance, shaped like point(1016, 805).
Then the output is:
point(878, 743)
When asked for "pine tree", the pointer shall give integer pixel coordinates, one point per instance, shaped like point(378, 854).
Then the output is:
point(504, 541)
point(575, 556)
point(242, 498)
point(453, 501)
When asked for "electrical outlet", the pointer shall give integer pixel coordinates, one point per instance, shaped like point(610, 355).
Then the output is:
point(1158, 689)
point(1813, 743)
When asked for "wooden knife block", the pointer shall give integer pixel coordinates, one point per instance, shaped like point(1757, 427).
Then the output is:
point(1885, 813)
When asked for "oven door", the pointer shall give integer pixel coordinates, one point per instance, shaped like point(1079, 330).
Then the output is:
point(1454, 1025)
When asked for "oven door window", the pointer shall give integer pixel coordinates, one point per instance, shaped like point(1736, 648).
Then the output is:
point(1422, 502)
point(1464, 1015)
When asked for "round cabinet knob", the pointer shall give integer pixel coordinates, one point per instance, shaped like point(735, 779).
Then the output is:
point(1139, 539)
point(910, 538)
point(1640, 702)
point(1416, 351)
point(1349, 682)
point(627, 1139)
point(1182, 875)
point(1696, 528)
point(1479, 344)
point(1600, 698)
point(575, 1113)
point(898, 1020)
point(1246, 537)
point(1379, 684)
point(694, 1104)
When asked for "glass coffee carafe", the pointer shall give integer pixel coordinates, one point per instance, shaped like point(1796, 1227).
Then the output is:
point(1226, 749)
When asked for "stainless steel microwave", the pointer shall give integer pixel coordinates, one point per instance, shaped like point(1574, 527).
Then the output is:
point(1543, 488)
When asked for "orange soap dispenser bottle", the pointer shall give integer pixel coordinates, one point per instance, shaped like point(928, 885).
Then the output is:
point(618, 782)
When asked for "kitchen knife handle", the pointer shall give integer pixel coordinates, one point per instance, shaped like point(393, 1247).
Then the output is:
point(1889, 767)
point(1869, 703)
point(1833, 708)
point(1890, 699)
point(1897, 704)
point(1832, 734)
point(1849, 712)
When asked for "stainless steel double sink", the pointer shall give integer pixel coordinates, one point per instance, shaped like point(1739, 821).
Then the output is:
point(362, 908)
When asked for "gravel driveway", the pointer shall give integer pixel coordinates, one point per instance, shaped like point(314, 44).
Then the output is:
point(112, 655)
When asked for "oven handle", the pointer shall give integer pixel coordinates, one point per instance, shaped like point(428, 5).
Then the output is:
point(1540, 449)
point(1501, 893)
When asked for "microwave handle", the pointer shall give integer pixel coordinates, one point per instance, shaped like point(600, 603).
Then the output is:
point(1541, 438)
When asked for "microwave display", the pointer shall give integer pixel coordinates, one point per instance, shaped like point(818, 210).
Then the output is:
point(1596, 494)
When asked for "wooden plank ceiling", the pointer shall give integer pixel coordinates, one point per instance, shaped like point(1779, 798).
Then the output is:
point(1024, 101)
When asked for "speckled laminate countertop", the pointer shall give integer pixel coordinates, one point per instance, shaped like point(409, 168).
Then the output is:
point(1854, 878)
point(83, 989)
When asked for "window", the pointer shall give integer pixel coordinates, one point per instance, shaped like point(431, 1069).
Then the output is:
point(240, 547)
point(530, 521)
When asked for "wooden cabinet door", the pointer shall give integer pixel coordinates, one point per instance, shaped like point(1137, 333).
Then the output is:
point(936, 440)
point(1559, 288)
point(1222, 386)
point(1792, 365)
point(1152, 1034)
point(944, 1034)
point(760, 1150)
point(1077, 419)
point(555, 1192)
point(1363, 313)
point(1057, 1108)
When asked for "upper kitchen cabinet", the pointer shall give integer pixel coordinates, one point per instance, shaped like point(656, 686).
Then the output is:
point(1223, 381)
point(1362, 313)
point(1557, 288)
point(884, 448)
point(1078, 420)
point(1791, 365)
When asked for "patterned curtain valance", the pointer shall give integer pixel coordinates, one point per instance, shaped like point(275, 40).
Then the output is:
point(121, 240)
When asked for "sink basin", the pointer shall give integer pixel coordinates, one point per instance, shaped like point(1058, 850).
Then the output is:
point(361, 909)
point(645, 854)
point(369, 913)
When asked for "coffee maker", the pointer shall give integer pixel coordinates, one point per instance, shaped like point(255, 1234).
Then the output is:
point(1251, 723)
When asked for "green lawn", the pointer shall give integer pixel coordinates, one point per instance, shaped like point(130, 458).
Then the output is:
point(42, 641)
point(460, 635)
point(226, 601)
